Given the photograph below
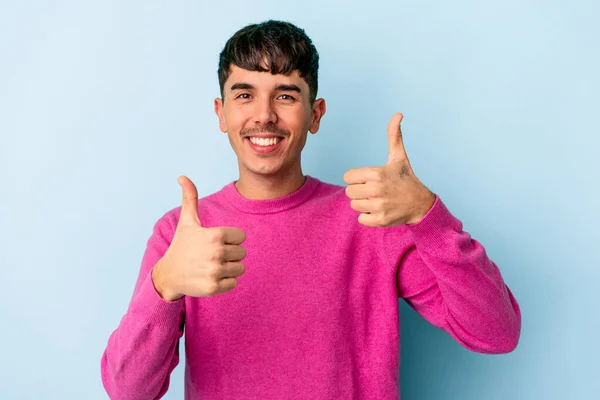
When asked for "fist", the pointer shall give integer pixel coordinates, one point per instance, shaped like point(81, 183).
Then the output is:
point(200, 261)
point(392, 194)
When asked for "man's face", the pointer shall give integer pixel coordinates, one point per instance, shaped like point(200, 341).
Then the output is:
point(267, 118)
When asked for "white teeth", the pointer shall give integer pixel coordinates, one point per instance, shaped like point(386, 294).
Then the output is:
point(264, 142)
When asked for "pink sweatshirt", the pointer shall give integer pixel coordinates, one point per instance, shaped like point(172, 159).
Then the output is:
point(315, 316)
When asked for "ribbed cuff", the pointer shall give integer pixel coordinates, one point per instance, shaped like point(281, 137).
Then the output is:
point(153, 309)
point(433, 229)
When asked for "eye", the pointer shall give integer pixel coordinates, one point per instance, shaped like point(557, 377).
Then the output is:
point(286, 97)
point(244, 96)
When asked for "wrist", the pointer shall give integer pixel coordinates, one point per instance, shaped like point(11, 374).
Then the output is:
point(426, 205)
point(162, 284)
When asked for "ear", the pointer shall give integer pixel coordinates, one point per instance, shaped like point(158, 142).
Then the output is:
point(219, 112)
point(318, 110)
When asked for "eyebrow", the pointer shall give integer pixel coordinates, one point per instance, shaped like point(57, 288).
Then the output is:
point(281, 88)
point(288, 88)
point(242, 86)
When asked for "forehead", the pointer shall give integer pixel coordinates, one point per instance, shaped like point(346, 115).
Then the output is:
point(262, 80)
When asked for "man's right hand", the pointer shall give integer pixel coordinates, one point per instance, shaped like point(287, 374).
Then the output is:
point(200, 261)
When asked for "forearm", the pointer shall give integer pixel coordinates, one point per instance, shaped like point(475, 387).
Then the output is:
point(144, 349)
point(473, 303)
point(458, 287)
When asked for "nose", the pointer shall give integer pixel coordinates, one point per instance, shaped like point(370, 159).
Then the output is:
point(264, 113)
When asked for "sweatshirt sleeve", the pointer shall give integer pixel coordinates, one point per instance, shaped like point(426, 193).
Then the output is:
point(144, 349)
point(448, 279)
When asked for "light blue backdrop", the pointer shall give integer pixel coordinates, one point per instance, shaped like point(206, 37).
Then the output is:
point(104, 103)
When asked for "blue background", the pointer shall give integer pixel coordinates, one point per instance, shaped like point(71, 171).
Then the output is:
point(104, 103)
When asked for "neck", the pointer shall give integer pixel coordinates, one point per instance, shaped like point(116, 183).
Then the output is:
point(266, 187)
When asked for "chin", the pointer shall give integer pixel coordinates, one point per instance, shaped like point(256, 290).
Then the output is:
point(265, 170)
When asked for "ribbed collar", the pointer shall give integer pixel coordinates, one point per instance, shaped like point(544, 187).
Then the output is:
point(248, 206)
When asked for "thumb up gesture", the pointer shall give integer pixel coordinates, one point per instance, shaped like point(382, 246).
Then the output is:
point(390, 195)
point(200, 261)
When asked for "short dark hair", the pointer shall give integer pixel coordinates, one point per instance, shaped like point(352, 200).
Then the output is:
point(284, 46)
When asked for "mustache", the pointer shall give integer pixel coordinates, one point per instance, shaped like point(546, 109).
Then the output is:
point(267, 128)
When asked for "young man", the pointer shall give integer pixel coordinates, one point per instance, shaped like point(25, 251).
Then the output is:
point(312, 312)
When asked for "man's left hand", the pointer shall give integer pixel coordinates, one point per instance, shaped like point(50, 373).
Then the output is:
point(390, 195)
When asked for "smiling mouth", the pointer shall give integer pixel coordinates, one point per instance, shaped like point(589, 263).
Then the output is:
point(264, 145)
point(264, 142)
